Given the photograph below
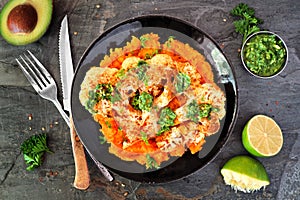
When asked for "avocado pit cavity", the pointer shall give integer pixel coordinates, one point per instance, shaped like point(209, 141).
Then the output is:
point(22, 19)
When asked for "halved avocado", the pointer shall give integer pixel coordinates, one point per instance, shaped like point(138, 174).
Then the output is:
point(25, 21)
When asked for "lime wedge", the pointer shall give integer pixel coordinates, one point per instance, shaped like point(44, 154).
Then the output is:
point(245, 174)
point(262, 136)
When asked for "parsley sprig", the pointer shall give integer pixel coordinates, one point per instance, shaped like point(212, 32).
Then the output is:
point(33, 149)
point(248, 23)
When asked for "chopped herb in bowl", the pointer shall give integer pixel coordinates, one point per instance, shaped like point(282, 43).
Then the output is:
point(264, 54)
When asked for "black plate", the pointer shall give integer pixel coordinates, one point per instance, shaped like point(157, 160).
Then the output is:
point(164, 26)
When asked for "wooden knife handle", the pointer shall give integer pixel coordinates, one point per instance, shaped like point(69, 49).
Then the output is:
point(82, 176)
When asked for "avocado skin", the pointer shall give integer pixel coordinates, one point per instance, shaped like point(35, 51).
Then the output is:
point(44, 9)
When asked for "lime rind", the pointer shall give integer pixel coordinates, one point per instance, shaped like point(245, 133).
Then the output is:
point(247, 145)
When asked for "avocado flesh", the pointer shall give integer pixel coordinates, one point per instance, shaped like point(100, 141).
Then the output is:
point(25, 21)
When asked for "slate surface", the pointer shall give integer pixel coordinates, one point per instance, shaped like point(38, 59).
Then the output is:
point(277, 97)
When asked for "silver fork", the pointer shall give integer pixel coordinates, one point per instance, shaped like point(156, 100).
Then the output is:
point(41, 80)
point(46, 87)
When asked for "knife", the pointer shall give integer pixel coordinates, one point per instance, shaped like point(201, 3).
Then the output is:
point(82, 179)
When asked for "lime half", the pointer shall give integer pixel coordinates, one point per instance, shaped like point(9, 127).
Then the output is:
point(245, 174)
point(262, 136)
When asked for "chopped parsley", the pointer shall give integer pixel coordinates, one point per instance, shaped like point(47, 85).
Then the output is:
point(102, 139)
point(169, 41)
point(144, 137)
point(116, 96)
point(264, 54)
point(183, 81)
point(162, 130)
point(108, 124)
point(149, 56)
point(145, 101)
point(198, 111)
point(166, 119)
point(142, 101)
point(141, 70)
point(150, 162)
point(134, 102)
point(143, 40)
point(101, 91)
point(121, 73)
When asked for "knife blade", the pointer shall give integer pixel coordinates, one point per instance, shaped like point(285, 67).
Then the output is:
point(67, 72)
point(66, 64)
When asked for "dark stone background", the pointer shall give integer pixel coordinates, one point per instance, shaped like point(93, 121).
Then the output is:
point(277, 97)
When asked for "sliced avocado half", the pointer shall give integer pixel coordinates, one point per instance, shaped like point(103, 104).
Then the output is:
point(25, 21)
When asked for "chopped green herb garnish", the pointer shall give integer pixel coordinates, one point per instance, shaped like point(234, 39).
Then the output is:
point(108, 124)
point(121, 73)
point(183, 81)
point(116, 96)
point(143, 39)
point(169, 41)
point(33, 149)
point(102, 139)
point(104, 91)
point(162, 130)
point(198, 111)
point(144, 137)
point(264, 54)
point(141, 70)
point(142, 101)
point(145, 101)
point(101, 91)
point(134, 102)
point(149, 56)
point(150, 162)
point(166, 119)
point(248, 23)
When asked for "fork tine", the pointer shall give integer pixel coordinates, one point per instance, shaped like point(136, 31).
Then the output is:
point(40, 77)
point(28, 76)
point(40, 80)
point(42, 68)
